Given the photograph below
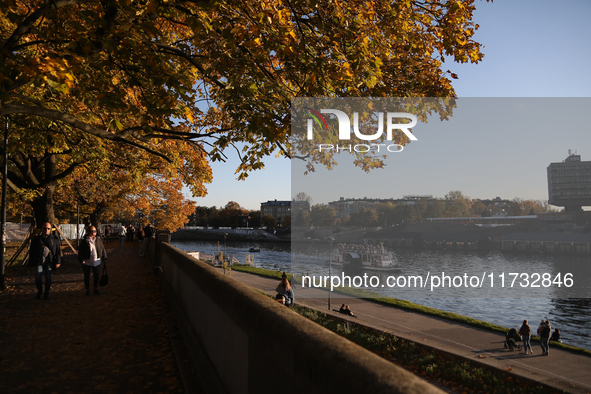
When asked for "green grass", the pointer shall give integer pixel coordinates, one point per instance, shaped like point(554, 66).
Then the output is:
point(403, 304)
point(259, 271)
point(442, 369)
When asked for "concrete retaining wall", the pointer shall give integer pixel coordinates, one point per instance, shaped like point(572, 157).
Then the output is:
point(251, 344)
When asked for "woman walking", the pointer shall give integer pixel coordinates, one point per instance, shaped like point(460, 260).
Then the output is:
point(91, 254)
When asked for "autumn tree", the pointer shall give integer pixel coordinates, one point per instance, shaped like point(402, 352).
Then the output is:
point(365, 217)
point(386, 213)
point(230, 214)
point(322, 215)
point(118, 196)
point(254, 219)
point(456, 204)
point(155, 75)
point(100, 176)
point(268, 221)
point(477, 208)
point(435, 209)
point(205, 216)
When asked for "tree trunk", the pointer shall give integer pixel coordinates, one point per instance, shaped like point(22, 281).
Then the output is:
point(97, 214)
point(43, 207)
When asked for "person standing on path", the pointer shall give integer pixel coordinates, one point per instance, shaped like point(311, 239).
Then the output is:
point(91, 254)
point(544, 333)
point(122, 234)
point(525, 332)
point(45, 255)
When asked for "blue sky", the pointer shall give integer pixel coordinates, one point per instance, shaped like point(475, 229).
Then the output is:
point(532, 49)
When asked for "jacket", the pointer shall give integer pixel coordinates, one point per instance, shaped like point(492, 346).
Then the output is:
point(84, 250)
point(525, 330)
point(36, 251)
point(288, 294)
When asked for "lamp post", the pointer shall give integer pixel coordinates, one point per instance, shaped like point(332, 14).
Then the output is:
point(3, 213)
point(225, 235)
point(331, 239)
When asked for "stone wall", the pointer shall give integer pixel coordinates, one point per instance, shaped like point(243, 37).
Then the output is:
point(244, 342)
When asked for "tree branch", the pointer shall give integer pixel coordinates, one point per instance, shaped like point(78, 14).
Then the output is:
point(8, 109)
point(27, 24)
point(190, 59)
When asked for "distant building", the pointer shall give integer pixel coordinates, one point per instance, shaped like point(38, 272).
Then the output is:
point(277, 209)
point(569, 183)
point(298, 209)
point(348, 206)
point(299, 206)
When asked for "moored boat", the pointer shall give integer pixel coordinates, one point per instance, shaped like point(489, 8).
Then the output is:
point(369, 257)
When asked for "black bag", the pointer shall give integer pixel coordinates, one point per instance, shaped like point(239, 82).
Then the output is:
point(104, 277)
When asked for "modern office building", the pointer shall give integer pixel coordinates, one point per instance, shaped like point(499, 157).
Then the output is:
point(569, 183)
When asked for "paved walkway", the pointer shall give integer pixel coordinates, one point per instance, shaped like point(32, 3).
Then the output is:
point(561, 369)
point(119, 341)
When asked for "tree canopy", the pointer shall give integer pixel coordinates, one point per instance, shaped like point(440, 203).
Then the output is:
point(184, 80)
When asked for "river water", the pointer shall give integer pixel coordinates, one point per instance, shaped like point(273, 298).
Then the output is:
point(465, 280)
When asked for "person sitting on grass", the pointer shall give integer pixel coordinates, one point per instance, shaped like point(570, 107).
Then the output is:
point(346, 310)
point(556, 335)
point(280, 299)
point(284, 289)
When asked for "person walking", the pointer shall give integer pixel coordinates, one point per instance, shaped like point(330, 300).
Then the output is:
point(145, 245)
point(140, 237)
point(45, 255)
point(91, 254)
point(130, 231)
point(122, 234)
point(525, 332)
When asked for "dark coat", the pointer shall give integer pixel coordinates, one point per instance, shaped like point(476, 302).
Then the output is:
point(148, 231)
point(36, 251)
point(84, 250)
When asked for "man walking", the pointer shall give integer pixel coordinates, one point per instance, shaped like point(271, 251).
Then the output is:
point(45, 255)
point(146, 242)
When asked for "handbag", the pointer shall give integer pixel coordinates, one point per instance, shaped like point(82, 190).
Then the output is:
point(104, 277)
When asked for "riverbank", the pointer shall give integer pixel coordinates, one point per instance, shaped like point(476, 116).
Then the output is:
point(562, 370)
point(530, 237)
point(407, 305)
point(229, 235)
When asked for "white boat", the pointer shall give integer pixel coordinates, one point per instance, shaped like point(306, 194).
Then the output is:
point(370, 257)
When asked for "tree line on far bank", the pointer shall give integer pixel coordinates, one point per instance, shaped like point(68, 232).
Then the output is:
point(454, 204)
point(230, 215)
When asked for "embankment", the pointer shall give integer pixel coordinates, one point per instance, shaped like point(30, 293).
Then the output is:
point(246, 343)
